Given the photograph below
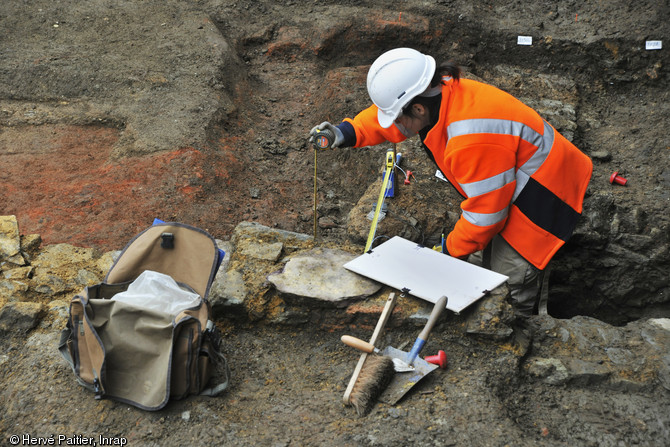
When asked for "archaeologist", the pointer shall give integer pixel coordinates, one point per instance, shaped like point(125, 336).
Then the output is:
point(523, 183)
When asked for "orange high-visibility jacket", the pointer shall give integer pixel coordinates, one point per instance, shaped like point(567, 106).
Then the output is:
point(518, 175)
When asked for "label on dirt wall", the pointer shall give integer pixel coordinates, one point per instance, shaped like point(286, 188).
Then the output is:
point(524, 40)
point(654, 45)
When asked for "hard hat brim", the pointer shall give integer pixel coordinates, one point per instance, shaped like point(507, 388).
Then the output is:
point(385, 119)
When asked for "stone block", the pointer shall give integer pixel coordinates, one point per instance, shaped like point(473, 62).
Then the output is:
point(10, 241)
point(319, 275)
point(19, 317)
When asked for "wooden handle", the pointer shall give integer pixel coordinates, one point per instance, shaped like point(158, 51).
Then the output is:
point(386, 313)
point(440, 305)
point(423, 336)
point(358, 344)
point(383, 318)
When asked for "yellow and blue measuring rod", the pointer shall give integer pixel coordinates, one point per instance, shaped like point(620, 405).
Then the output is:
point(442, 248)
point(390, 190)
point(380, 200)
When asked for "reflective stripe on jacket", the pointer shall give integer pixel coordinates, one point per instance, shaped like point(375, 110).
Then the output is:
point(518, 175)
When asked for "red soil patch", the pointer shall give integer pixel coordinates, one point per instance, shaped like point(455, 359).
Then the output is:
point(60, 183)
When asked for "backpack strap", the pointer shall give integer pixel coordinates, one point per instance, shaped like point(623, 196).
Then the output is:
point(65, 336)
point(218, 359)
point(219, 388)
point(81, 347)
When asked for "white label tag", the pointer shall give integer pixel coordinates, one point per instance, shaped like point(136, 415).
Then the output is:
point(524, 40)
point(654, 45)
point(439, 175)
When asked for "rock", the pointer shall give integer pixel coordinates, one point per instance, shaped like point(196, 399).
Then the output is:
point(63, 269)
point(491, 316)
point(267, 252)
point(318, 274)
point(551, 371)
point(60, 255)
point(228, 292)
point(10, 241)
point(241, 286)
point(14, 283)
point(13, 290)
point(655, 333)
point(661, 323)
point(105, 262)
point(591, 351)
point(30, 245)
point(601, 155)
point(586, 372)
point(248, 230)
point(31, 242)
point(19, 273)
point(227, 248)
point(327, 222)
point(19, 317)
point(561, 115)
point(621, 356)
point(48, 284)
point(87, 278)
point(58, 312)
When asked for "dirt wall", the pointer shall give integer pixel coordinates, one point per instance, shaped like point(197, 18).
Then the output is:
point(115, 113)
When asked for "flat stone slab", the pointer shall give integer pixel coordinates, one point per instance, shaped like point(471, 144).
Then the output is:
point(319, 274)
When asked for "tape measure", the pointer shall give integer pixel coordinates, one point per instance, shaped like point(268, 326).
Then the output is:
point(323, 139)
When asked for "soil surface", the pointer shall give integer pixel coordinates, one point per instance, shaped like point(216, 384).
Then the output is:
point(114, 113)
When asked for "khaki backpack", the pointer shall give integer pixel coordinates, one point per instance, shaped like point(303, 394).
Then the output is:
point(141, 356)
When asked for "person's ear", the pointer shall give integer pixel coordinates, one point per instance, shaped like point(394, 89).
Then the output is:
point(419, 109)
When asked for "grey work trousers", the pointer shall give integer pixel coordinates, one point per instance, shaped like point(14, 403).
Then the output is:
point(524, 277)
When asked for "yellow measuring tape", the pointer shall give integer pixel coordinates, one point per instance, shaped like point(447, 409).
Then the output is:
point(389, 168)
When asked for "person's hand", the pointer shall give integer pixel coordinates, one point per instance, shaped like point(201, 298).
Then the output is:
point(339, 136)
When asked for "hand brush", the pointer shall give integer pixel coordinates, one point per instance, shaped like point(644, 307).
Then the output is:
point(372, 373)
point(375, 376)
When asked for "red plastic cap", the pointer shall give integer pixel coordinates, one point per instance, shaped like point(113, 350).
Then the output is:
point(440, 359)
point(616, 178)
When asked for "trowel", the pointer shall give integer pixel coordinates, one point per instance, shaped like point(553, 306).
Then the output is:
point(409, 367)
point(364, 346)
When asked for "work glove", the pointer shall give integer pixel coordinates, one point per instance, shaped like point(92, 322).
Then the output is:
point(339, 136)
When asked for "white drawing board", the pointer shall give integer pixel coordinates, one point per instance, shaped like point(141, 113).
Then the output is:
point(426, 273)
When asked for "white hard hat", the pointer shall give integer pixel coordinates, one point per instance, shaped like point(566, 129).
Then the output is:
point(395, 78)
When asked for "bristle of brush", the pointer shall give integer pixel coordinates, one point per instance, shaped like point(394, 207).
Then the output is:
point(375, 376)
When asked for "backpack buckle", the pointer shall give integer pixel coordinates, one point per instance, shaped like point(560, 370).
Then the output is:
point(97, 388)
point(167, 240)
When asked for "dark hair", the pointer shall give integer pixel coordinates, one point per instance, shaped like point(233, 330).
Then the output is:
point(448, 68)
point(432, 103)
